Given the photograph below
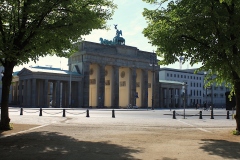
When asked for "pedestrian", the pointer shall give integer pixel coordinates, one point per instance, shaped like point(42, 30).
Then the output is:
point(205, 106)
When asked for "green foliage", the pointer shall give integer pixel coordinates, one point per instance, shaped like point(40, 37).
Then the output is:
point(235, 132)
point(206, 31)
point(33, 28)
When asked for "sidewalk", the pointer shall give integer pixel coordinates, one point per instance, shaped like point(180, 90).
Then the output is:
point(135, 135)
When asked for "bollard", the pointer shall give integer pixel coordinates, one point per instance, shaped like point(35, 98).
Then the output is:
point(40, 113)
point(212, 114)
point(113, 113)
point(64, 115)
point(174, 116)
point(87, 115)
point(227, 114)
point(200, 115)
point(21, 111)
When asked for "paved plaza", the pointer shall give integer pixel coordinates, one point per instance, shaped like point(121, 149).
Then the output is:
point(119, 134)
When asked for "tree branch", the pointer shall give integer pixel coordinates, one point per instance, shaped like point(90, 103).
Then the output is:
point(195, 40)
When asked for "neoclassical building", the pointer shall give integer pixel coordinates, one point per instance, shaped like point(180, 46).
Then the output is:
point(99, 75)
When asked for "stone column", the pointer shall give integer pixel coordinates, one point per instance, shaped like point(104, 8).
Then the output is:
point(20, 99)
point(63, 95)
point(34, 93)
point(67, 94)
point(86, 68)
point(167, 97)
point(101, 86)
point(115, 89)
point(80, 93)
point(45, 93)
point(156, 90)
point(144, 89)
point(24, 93)
point(16, 93)
point(58, 94)
point(54, 94)
point(29, 95)
point(133, 77)
point(174, 98)
point(161, 97)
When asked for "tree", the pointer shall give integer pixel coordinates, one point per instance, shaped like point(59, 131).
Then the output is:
point(205, 31)
point(33, 28)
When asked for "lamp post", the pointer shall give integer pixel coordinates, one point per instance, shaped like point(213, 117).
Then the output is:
point(70, 83)
point(153, 63)
point(184, 98)
point(205, 73)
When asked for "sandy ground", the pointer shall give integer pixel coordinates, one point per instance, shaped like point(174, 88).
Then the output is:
point(118, 139)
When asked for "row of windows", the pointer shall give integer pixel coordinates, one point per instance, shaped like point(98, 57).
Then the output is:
point(199, 93)
point(184, 76)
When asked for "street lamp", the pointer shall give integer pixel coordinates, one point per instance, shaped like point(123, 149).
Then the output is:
point(70, 83)
point(153, 64)
point(184, 85)
point(211, 87)
point(205, 73)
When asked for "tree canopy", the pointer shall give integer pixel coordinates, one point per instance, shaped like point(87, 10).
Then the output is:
point(204, 31)
point(33, 28)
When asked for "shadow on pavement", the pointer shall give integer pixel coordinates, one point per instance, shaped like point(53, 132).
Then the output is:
point(53, 145)
point(222, 148)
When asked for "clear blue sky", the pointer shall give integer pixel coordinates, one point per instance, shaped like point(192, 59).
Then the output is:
point(129, 19)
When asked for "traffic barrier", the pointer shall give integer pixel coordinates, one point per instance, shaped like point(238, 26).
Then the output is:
point(21, 111)
point(113, 113)
point(174, 115)
point(212, 117)
point(40, 113)
point(227, 114)
point(87, 113)
point(200, 115)
point(64, 114)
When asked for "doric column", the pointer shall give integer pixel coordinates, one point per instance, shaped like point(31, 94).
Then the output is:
point(101, 86)
point(58, 94)
point(34, 93)
point(86, 68)
point(45, 93)
point(20, 99)
point(16, 93)
point(174, 98)
point(133, 77)
point(29, 96)
point(24, 93)
point(156, 89)
point(161, 96)
point(115, 89)
point(80, 93)
point(54, 94)
point(167, 97)
point(64, 94)
point(145, 89)
point(67, 94)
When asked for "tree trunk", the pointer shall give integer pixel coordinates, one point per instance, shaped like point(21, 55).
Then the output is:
point(237, 94)
point(6, 83)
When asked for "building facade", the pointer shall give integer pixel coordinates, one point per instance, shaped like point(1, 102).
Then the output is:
point(196, 93)
point(99, 75)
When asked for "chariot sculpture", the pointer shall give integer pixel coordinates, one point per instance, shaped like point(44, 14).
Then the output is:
point(117, 40)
